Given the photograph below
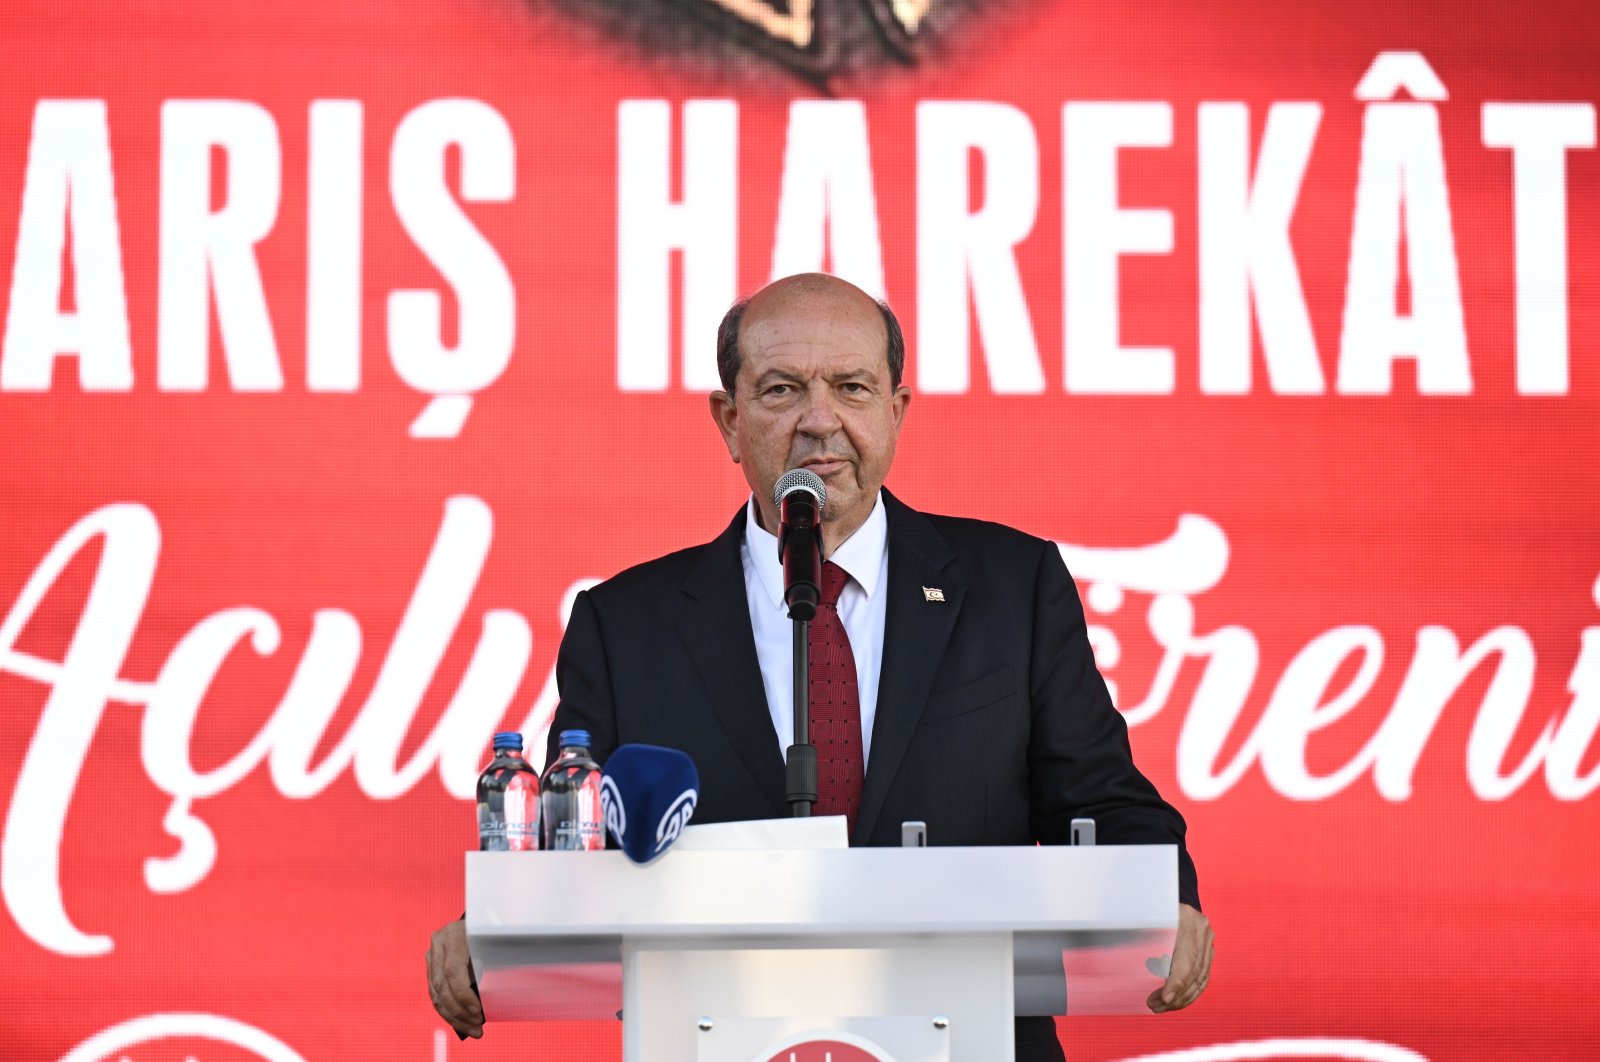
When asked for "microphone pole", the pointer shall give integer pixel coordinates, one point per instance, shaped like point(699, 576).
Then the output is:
point(800, 766)
point(800, 496)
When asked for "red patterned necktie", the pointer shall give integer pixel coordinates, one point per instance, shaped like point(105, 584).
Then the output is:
point(835, 705)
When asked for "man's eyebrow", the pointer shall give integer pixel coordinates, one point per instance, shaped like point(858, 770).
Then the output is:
point(778, 374)
point(785, 376)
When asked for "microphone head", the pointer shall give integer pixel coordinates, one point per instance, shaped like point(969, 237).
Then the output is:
point(799, 479)
point(648, 795)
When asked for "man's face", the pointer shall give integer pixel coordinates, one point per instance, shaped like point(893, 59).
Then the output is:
point(813, 391)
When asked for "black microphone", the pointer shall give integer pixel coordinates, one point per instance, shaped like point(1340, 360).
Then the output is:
point(800, 495)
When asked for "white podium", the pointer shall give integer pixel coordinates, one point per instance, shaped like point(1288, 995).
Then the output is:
point(905, 954)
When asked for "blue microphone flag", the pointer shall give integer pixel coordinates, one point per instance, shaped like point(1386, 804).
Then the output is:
point(648, 794)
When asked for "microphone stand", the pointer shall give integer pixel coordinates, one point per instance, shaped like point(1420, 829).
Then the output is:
point(801, 549)
point(801, 765)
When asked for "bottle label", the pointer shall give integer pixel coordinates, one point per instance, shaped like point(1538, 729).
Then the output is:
point(521, 836)
point(491, 831)
point(521, 824)
point(585, 832)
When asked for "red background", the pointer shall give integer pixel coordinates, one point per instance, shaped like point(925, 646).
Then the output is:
point(1451, 925)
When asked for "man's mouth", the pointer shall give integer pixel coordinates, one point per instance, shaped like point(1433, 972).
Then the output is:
point(824, 466)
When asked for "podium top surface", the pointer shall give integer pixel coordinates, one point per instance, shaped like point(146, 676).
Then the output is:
point(822, 892)
point(548, 930)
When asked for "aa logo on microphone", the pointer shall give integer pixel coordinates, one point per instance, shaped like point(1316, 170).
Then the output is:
point(611, 805)
point(673, 822)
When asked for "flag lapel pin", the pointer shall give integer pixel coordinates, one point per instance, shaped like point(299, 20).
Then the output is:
point(932, 593)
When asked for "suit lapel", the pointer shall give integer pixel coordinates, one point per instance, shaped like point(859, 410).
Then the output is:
point(915, 632)
point(716, 631)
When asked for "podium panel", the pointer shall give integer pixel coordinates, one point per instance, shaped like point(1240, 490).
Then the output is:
point(705, 953)
point(954, 994)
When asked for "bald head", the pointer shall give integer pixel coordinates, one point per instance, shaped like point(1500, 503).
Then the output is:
point(811, 375)
point(814, 292)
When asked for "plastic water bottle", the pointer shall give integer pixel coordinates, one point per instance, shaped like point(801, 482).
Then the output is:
point(508, 799)
point(571, 785)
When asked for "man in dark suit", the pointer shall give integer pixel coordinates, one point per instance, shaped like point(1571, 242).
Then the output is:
point(962, 691)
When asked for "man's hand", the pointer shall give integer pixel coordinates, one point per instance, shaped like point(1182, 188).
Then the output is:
point(450, 980)
point(1191, 963)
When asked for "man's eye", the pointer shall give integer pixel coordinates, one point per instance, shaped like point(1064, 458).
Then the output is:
point(855, 388)
point(779, 390)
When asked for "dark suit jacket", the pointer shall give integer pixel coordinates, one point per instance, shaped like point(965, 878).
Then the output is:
point(992, 725)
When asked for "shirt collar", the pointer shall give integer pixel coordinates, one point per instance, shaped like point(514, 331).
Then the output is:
point(862, 555)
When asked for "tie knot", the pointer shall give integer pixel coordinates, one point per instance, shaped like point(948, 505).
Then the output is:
point(833, 580)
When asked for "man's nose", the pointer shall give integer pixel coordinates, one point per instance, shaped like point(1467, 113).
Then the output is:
point(819, 419)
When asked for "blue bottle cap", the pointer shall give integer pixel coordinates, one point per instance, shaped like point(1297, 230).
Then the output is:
point(508, 739)
point(575, 737)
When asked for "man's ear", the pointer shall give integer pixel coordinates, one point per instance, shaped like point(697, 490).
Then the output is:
point(901, 402)
point(726, 413)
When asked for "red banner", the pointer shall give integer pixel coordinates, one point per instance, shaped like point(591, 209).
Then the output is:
point(342, 342)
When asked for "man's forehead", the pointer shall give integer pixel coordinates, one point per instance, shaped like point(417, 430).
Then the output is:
point(806, 356)
point(831, 331)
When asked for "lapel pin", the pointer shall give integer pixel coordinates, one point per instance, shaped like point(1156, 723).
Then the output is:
point(932, 593)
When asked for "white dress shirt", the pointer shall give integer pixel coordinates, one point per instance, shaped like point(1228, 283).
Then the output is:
point(864, 556)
